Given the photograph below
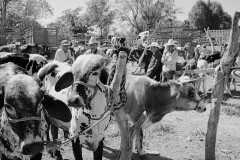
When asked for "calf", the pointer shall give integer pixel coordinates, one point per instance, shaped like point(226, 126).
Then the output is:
point(23, 107)
point(31, 62)
point(153, 100)
point(88, 99)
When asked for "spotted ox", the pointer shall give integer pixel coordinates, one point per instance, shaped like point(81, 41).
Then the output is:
point(154, 100)
point(23, 108)
point(31, 62)
point(88, 98)
point(49, 75)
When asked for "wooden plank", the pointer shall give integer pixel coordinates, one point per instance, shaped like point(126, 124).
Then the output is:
point(197, 71)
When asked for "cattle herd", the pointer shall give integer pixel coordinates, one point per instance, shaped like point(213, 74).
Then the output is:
point(38, 97)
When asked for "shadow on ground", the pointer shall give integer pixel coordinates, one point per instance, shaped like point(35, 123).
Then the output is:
point(226, 96)
point(113, 154)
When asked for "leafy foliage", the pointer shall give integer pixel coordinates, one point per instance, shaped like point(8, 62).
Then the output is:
point(210, 14)
point(71, 22)
point(145, 14)
point(24, 13)
point(100, 15)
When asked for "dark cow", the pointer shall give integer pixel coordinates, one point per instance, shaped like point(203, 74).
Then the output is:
point(154, 100)
point(23, 108)
point(31, 62)
point(88, 99)
point(31, 48)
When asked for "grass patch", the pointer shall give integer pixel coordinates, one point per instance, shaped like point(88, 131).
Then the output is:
point(231, 109)
point(163, 129)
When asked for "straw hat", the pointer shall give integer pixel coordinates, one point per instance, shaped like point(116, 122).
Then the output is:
point(154, 44)
point(65, 43)
point(92, 41)
point(171, 42)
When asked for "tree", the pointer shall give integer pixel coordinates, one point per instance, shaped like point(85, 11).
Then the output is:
point(145, 14)
point(71, 22)
point(210, 14)
point(24, 13)
point(100, 15)
point(226, 21)
point(199, 16)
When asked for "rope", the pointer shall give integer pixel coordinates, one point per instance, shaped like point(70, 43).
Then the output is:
point(57, 144)
point(24, 119)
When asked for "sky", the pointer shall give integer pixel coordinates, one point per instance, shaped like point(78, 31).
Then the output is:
point(229, 6)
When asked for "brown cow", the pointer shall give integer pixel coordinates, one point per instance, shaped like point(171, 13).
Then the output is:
point(155, 100)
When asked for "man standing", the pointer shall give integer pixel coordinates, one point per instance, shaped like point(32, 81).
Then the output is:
point(93, 43)
point(169, 60)
point(63, 54)
point(155, 66)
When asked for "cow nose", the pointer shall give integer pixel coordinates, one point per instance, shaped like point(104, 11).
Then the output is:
point(75, 102)
point(32, 148)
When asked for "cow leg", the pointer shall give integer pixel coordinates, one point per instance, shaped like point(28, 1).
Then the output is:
point(77, 149)
point(234, 84)
point(227, 87)
point(138, 144)
point(97, 155)
point(54, 130)
point(48, 128)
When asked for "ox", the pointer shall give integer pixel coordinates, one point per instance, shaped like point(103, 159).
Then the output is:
point(24, 106)
point(31, 62)
point(153, 100)
point(88, 98)
point(49, 75)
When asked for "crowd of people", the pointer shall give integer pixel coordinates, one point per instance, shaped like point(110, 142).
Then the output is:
point(159, 62)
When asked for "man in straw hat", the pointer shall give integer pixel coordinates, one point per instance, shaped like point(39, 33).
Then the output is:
point(155, 66)
point(63, 54)
point(93, 43)
point(169, 60)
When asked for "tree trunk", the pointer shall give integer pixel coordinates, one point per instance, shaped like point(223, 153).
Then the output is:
point(221, 71)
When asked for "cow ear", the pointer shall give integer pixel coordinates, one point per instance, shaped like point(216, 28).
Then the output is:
point(64, 81)
point(57, 111)
point(46, 70)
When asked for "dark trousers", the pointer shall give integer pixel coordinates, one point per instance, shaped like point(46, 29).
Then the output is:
point(154, 73)
point(167, 76)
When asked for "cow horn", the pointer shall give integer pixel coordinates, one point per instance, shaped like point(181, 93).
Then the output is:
point(192, 80)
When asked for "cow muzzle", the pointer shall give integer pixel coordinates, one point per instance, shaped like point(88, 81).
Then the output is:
point(32, 148)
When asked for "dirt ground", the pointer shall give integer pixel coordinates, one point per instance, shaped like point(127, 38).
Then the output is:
point(180, 135)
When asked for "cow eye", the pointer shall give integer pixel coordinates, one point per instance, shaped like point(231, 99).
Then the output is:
point(191, 94)
point(9, 109)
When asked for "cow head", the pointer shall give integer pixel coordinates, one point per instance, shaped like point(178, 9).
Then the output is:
point(86, 71)
point(23, 123)
point(186, 95)
point(51, 72)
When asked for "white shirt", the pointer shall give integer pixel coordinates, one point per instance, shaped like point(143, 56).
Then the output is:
point(169, 61)
point(62, 56)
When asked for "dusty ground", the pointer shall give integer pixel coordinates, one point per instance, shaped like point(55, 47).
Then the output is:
point(180, 135)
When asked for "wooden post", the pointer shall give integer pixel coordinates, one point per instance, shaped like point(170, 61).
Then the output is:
point(127, 130)
point(221, 71)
